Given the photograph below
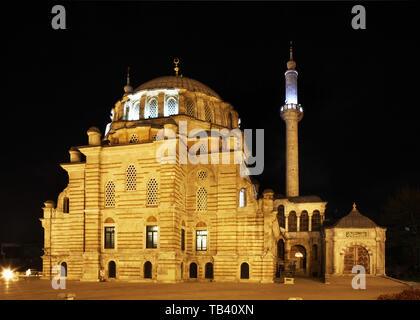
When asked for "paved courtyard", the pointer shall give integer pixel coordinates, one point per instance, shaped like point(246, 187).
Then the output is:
point(307, 289)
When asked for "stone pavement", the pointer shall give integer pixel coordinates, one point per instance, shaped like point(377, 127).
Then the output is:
point(305, 288)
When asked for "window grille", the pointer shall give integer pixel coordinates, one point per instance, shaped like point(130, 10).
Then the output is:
point(190, 107)
point(134, 113)
point(203, 148)
point(130, 184)
point(201, 199)
point(202, 174)
point(171, 106)
point(110, 194)
point(207, 112)
point(152, 192)
point(134, 138)
point(151, 110)
point(183, 239)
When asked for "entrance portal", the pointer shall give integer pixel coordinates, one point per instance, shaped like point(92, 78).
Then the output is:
point(298, 256)
point(356, 255)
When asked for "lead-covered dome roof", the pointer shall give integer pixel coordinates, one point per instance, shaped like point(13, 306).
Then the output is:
point(355, 220)
point(174, 82)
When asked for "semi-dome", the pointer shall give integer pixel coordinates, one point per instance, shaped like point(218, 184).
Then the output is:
point(174, 82)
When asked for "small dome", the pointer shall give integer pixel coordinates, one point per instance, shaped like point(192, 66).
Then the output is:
point(355, 220)
point(169, 82)
point(128, 88)
point(93, 129)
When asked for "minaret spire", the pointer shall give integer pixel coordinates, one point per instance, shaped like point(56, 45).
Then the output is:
point(128, 88)
point(128, 76)
point(291, 64)
point(291, 112)
point(291, 51)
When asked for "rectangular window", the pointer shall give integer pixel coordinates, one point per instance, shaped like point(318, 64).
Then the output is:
point(201, 240)
point(152, 236)
point(182, 239)
point(109, 237)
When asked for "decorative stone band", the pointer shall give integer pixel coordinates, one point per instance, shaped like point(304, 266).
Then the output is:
point(356, 234)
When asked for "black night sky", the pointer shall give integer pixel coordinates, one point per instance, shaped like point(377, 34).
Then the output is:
point(358, 138)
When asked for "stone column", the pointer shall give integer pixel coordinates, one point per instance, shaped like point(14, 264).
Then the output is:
point(161, 104)
point(298, 221)
point(310, 221)
point(142, 105)
point(286, 221)
point(181, 104)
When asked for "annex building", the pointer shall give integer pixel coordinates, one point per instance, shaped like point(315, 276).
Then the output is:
point(127, 216)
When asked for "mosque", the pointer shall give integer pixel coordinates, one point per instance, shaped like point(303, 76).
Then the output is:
point(127, 216)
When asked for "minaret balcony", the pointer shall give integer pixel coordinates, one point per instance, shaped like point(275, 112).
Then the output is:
point(289, 106)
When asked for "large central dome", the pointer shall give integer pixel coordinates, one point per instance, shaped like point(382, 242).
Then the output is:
point(172, 82)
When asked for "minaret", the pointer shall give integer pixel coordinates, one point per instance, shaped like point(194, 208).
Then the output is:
point(292, 112)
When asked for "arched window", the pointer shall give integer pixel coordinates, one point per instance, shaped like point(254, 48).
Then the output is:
point(280, 217)
point(209, 270)
point(134, 113)
point(63, 271)
point(193, 270)
point(201, 240)
point(304, 221)
point(316, 221)
point(66, 205)
point(314, 252)
point(110, 194)
point(152, 192)
point(244, 270)
point(171, 107)
point(130, 184)
point(190, 107)
point(229, 117)
point(280, 249)
point(201, 199)
point(151, 109)
point(292, 222)
point(126, 115)
point(207, 112)
point(134, 138)
point(112, 269)
point(242, 197)
point(147, 270)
